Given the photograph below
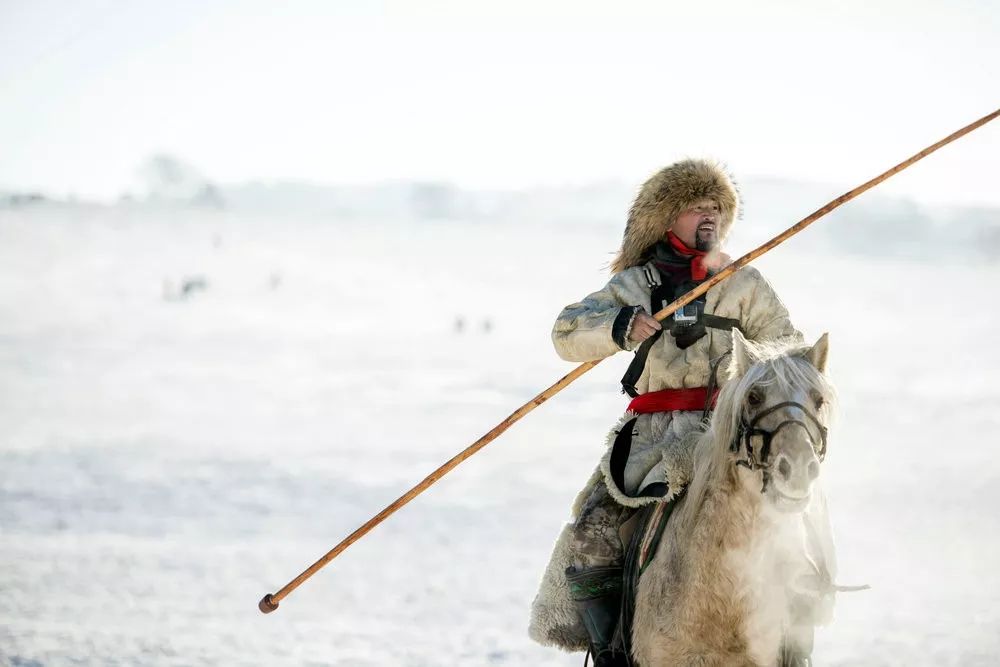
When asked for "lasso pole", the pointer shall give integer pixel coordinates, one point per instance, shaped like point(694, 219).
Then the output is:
point(270, 601)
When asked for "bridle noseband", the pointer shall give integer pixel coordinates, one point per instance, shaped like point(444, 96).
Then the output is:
point(748, 430)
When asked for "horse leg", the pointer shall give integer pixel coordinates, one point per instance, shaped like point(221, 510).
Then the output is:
point(796, 650)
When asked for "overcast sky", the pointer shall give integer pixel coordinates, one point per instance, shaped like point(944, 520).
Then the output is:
point(500, 94)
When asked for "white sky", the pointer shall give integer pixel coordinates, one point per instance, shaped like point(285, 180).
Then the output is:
point(498, 94)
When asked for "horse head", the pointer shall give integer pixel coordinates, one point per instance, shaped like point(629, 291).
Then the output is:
point(776, 406)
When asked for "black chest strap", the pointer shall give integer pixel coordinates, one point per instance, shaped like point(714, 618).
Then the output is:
point(687, 325)
point(638, 364)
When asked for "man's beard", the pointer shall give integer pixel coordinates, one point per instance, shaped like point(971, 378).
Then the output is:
point(706, 245)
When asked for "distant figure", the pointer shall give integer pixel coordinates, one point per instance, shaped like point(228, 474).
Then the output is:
point(459, 325)
point(274, 282)
point(487, 325)
point(193, 284)
point(188, 286)
point(25, 199)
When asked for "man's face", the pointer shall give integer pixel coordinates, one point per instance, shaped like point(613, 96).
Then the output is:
point(698, 226)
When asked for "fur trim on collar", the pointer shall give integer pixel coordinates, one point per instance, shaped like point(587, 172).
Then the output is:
point(667, 194)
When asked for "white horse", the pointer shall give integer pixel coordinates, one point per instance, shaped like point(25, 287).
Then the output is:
point(729, 583)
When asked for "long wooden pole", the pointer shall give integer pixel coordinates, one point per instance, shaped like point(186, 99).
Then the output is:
point(270, 601)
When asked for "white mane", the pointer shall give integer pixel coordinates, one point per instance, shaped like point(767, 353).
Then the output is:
point(777, 364)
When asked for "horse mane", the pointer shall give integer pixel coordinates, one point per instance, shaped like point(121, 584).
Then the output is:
point(774, 362)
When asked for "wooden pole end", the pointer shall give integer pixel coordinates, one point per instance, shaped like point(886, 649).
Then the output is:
point(267, 604)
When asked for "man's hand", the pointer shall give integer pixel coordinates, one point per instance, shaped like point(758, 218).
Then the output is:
point(643, 326)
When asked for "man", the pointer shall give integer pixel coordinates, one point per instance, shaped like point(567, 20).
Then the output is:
point(672, 243)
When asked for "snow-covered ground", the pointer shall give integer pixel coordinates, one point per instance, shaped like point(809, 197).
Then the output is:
point(166, 461)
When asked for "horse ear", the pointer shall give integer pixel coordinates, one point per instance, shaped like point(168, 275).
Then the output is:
point(741, 361)
point(817, 353)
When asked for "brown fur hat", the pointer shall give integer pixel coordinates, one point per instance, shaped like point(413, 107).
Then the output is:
point(666, 195)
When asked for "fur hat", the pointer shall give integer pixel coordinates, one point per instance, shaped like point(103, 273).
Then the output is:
point(665, 196)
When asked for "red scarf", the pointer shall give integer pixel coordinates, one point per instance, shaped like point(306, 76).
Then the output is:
point(698, 270)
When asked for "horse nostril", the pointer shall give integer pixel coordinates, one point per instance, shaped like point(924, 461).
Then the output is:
point(784, 468)
point(813, 470)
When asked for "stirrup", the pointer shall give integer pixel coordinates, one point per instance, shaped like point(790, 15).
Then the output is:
point(607, 658)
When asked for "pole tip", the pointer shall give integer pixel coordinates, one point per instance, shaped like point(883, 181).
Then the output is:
point(267, 604)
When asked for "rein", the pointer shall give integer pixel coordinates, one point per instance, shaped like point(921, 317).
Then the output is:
point(749, 430)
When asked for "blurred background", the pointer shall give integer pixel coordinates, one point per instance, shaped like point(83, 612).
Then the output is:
point(265, 266)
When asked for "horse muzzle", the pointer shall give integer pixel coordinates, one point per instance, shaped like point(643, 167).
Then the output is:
point(794, 469)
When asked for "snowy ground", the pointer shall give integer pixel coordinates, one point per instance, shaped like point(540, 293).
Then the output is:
point(164, 463)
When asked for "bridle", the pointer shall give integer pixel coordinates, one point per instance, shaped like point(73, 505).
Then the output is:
point(748, 431)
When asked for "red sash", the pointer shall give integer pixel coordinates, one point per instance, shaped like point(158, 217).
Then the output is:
point(672, 399)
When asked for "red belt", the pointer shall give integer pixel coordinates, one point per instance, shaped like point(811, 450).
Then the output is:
point(672, 399)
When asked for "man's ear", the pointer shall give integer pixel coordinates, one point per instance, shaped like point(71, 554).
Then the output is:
point(817, 353)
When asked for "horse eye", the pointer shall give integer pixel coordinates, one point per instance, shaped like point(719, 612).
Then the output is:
point(754, 398)
point(818, 400)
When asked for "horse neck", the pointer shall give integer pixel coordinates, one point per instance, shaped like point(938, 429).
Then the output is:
point(720, 510)
point(725, 528)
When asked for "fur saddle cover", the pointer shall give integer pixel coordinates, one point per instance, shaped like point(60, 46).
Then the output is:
point(659, 459)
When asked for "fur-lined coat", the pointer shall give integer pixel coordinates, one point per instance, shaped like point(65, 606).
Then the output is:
point(591, 329)
point(583, 332)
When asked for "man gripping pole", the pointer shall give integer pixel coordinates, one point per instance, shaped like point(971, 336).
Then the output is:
point(270, 601)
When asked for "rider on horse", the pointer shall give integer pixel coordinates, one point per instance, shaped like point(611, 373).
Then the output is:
point(672, 242)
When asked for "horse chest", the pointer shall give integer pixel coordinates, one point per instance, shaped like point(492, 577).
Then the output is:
point(758, 597)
